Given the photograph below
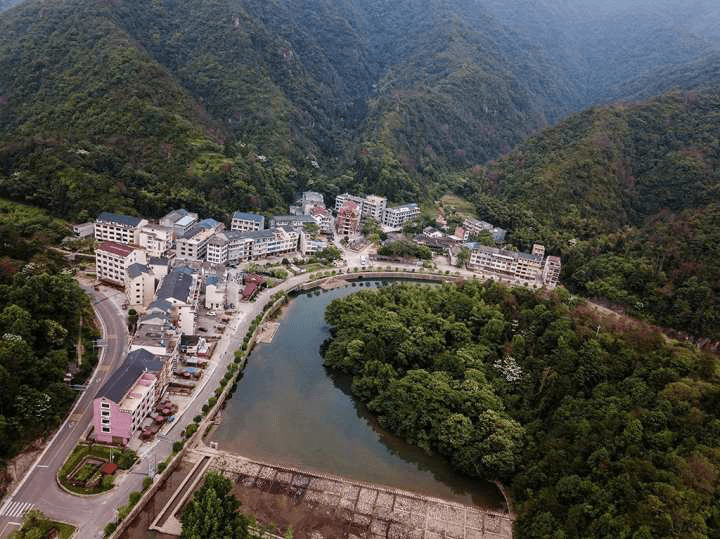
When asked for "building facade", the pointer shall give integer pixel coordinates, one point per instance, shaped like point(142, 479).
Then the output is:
point(112, 261)
point(247, 221)
point(347, 222)
point(398, 216)
point(118, 228)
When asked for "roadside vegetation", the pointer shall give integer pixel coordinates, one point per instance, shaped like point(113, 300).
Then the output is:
point(36, 525)
point(44, 318)
point(81, 472)
point(598, 428)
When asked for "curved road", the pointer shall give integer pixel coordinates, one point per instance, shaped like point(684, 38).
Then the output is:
point(38, 488)
point(90, 514)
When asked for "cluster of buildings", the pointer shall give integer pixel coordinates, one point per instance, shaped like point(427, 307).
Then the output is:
point(531, 269)
point(129, 396)
point(351, 210)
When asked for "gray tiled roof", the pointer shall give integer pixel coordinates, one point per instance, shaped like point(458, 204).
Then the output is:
point(126, 220)
point(176, 284)
point(159, 261)
point(136, 363)
point(135, 270)
point(245, 216)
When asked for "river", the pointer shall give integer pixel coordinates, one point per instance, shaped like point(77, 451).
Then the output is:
point(288, 409)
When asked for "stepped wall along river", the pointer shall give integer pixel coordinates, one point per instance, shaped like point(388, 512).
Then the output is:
point(288, 409)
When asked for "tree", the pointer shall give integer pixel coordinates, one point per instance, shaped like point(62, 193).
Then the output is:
point(213, 512)
point(463, 257)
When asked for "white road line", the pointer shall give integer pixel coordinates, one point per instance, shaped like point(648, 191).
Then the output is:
point(42, 466)
point(4, 506)
point(16, 509)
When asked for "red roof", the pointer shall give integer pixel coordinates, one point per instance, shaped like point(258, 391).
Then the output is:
point(109, 468)
point(249, 290)
point(115, 248)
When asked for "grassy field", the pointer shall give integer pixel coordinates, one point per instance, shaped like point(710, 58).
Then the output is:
point(460, 205)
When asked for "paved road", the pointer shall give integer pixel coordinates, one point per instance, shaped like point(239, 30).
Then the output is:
point(91, 514)
point(39, 488)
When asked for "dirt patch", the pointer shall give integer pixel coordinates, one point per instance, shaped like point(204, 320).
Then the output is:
point(284, 508)
point(13, 473)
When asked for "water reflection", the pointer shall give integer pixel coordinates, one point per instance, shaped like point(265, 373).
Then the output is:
point(288, 409)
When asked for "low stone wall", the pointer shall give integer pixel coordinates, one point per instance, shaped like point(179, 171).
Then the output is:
point(370, 511)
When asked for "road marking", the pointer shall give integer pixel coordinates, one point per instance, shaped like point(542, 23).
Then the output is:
point(15, 509)
point(42, 466)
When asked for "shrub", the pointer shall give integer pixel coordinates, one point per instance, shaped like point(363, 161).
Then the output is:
point(134, 498)
point(191, 429)
point(197, 418)
point(205, 409)
point(212, 401)
point(107, 482)
point(110, 527)
point(147, 482)
point(177, 446)
point(123, 511)
point(161, 467)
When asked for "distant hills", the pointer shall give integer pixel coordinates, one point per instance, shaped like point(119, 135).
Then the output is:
point(157, 104)
point(628, 195)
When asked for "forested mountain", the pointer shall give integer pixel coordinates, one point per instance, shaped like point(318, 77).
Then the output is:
point(597, 428)
point(159, 104)
point(628, 195)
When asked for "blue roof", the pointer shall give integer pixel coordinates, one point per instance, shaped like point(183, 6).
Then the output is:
point(208, 223)
point(136, 363)
point(119, 219)
point(248, 216)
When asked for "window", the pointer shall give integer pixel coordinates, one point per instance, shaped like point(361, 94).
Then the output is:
point(105, 413)
point(106, 429)
point(105, 405)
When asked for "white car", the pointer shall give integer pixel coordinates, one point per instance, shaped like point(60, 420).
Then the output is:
point(211, 313)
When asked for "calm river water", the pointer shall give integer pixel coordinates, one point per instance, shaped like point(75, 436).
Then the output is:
point(288, 409)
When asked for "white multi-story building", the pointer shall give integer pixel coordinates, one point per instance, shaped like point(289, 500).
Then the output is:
point(551, 271)
point(309, 246)
point(340, 201)
point(247, 221)
point(155, 239)
point(374, 207)
point(112, 261)
point(471, 227)
point(323, 219)
point(193, 244)
point(117, 228)
point(139, 285)
point(231, 247)
point(398, 216)
point(290, 221)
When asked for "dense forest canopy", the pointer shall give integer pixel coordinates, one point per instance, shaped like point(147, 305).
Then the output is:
point(599, 429)
point(143, 106)
point(627, 195)
point(44, 316)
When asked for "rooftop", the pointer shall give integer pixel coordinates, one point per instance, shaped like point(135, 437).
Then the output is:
point(176, 285)
point(143, 385)
point(185, 220)
point(245, 216)
point(158, 261)
point(125, 220)
point(135, 270)
point(135, 364)
point(115, 248)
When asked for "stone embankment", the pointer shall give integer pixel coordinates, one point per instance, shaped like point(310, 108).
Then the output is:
point(363, 510)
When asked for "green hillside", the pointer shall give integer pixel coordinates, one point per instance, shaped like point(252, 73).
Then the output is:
point(141, 106)
point(626, 194)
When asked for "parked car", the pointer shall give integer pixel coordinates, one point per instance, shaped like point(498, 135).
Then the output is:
point(211, 313)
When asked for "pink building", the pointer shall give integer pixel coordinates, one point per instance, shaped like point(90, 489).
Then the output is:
point(129, 396)
point(348, 219)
